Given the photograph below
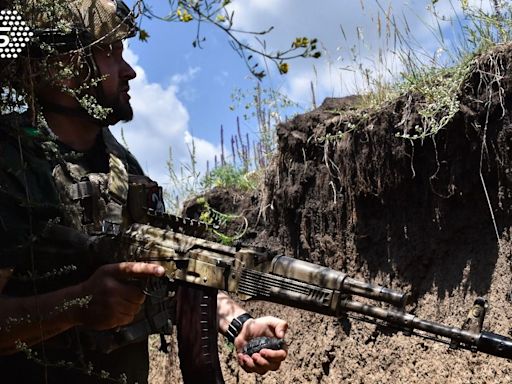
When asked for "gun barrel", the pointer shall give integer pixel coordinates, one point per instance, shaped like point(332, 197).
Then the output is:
point(494, 344)
point(408, 321)
point(331, 279)
point(487, 342)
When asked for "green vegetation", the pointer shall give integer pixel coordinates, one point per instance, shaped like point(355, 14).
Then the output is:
point(219, 14)
point(228, 176)
point(439, 100)
point(226, 227)
point(268, 106)
point(242, 166)
point(431, 81)
point(439, 85)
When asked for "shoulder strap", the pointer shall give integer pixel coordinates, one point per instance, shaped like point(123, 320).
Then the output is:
point(114, 147)
point(118, 196)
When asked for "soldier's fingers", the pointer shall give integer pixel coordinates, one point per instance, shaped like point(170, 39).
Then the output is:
point(248, 364)
point(274, 356)
point(281, 328)
point(138, 270)
point(244, 362)
point(265, 364)
point(270, 326)
point(257, 363)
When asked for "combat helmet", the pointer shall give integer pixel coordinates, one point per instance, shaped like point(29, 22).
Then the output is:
point(81, 24)
point(74, 29)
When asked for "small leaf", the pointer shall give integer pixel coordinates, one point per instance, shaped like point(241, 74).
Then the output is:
point(283, 68)
point(184, 15)
point(259, 75)
point(143, 35)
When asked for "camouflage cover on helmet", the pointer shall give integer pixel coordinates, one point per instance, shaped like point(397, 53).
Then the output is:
point(81, 23)
point(106, 20)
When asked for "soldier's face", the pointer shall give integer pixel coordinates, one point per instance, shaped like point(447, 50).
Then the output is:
point(115, 87)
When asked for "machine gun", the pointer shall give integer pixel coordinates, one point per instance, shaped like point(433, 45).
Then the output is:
point(255, 274)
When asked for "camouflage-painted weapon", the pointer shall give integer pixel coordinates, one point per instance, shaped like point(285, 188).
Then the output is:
point(255, 274)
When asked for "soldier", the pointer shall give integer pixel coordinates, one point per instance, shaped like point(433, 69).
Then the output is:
point(64, 317)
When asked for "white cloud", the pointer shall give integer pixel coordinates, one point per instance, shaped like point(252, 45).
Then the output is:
point(179, 78)
point(183, 81)
point(336, 23)
point(160, 121)
point(221, 78)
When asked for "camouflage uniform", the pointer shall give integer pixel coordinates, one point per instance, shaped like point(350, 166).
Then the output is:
point(37, 180)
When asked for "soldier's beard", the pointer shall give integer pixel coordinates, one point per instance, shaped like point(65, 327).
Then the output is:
point(121, 109)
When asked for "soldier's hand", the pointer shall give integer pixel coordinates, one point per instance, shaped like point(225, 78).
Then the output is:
point(267, 359)
point(113, 300)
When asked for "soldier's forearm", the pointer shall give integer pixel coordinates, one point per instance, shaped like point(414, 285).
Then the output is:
point(30, 320)
point(227, 310)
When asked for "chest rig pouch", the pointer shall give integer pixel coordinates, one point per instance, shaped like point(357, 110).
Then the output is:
point(107, 203)
point(94, 202)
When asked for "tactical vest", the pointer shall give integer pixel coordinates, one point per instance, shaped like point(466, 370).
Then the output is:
point(99, 203)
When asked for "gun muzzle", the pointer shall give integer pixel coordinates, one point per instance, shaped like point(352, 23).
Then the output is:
point(494, 344)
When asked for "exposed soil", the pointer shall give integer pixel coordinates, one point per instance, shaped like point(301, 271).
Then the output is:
point(410, 215)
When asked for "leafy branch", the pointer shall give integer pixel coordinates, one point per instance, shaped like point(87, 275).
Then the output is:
point(216, 13)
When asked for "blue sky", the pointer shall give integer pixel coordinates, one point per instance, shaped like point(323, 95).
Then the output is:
point(183, 93)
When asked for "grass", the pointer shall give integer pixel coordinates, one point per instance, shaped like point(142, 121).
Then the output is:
point(229, 176)
point(242, 160)
point(405, 68)
point(439, 99)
